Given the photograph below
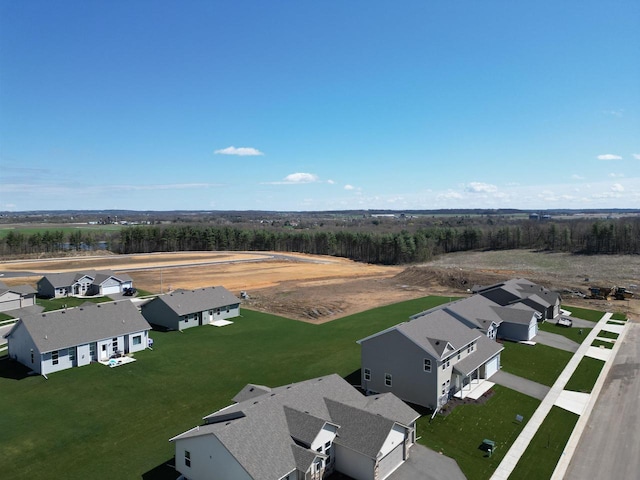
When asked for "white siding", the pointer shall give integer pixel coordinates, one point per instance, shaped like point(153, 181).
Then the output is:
point(10, 301)
point(20, 347)
point(84, 357)
point(209, 459)
point(327, 434)
point(140, 346)
point(396, 437)
point(388, 464)
point(492, 366)
point(63, 361)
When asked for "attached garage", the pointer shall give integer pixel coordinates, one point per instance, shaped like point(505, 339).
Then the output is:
point(492, 366)
point(110, 289)
point(533, 330)
point(389, 463)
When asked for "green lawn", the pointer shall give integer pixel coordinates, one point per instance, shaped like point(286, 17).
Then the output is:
point(585, 313)
point(539, 363)
point(541, 456)
point(70, 302)
point(619, 316)
point(602, 343)
point(572, 333)
point(4, 316)
point(97, 422)
point(585, 376)
point(460, 434)
point(605, 334)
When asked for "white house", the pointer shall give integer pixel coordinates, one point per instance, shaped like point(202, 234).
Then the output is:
point(53, 341)
point(79, 284)
point(305, 430)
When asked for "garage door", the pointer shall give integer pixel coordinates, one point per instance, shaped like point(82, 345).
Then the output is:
point(491, 367)
point(392, 461)
point(111, 289)
point(533, 330)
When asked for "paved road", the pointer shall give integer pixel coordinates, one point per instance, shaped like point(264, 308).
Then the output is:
point(556, 341)
point(519, 384)
point(609, 446)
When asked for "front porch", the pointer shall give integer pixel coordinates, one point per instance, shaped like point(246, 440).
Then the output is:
point(474, 389)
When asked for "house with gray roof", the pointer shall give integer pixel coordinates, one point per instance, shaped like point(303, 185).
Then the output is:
point(80, 284)
point(189, 308)
point(523, 291)
point(306, 430)
point(428, 359)
point(53, 341)
point(18, 296)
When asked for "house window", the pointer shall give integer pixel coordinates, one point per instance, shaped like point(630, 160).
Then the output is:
point(187, 458)
point(469, 349)
point(367, 374)
point(387, 379)
point(448, 362)
point(92, 350)
point(211, 313)
point(458, 356)
point(427, 365)
point(444, 365)
point(54, 357)
point(137, 340)
point(32, 356)
point(114, 344)
point(72, 354)
point(327, 446)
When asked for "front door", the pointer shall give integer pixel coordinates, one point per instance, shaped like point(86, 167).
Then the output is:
point(104, 352)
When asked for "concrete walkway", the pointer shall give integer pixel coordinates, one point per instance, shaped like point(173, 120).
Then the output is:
point(520, 384)
point(518, 448)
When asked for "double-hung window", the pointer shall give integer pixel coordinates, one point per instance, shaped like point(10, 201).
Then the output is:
point(427, 365)
point(367, 374)
point(388, 380)
point(187, 458)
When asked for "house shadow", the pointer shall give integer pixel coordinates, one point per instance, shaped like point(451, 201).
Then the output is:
point(354, 378)
point(163, 471)
point(13, 370)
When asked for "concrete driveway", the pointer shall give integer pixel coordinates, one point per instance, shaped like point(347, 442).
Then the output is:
point(519, 384)
point(425, 464)
point(556, 341)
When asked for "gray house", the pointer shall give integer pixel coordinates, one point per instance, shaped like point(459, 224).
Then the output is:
point(522, 291)
point(189, 308)
point(74, 337)
point(305, 430)
point(428, 359)
point(80, 284)
point(19, 296)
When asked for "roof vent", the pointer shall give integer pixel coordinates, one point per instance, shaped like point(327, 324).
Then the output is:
point(255, 403)
point(251, 389)
point(46, 337)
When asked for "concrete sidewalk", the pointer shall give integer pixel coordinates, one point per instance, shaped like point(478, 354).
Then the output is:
point(518, 448)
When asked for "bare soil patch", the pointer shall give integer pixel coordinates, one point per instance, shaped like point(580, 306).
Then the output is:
point(319, 288)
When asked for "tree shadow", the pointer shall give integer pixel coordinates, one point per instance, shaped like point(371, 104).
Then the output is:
point(164, 471)
point(13, 370)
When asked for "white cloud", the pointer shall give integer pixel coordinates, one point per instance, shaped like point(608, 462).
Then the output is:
point(616, 187)
point(575, 176)
point(330, 182)
point(296, 178)
point(349, 187)
point(240, 151)
point(450, 195)
point(616, 175)
point(636, 156)
point(479, 187)
point(609, 156)
point(615, 113)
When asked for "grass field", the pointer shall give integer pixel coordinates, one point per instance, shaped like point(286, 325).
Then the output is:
point(586, 314)
point(585, 376)
point(460, 434)
point(602, 343)
point(539, 363)
point(66, 230)
point(97, 422)
point(541, 456)
point(605, 334)
point(68, 302)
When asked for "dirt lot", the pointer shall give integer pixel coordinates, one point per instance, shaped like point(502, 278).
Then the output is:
point(319, 289)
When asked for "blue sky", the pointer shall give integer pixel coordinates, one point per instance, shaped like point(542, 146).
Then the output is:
point(309, 105)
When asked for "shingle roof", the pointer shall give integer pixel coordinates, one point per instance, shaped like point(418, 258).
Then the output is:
point(262, 438)
point(183, 302)
point(87, 323)
point(21, 289)
point(515, 314)
point(64, 279)
point(485, 350)
point(426, 331)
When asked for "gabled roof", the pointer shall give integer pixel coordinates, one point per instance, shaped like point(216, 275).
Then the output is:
point(20, 289)
point(183, 302)
point(266, 432)
point(77, 326)
point(516, 314)
point(425, 331)
point(485, 349)
point(518, 289)
point(65, 279)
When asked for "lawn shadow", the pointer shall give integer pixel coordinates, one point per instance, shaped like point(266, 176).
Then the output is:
point(354, 378)
point(13, 370)
point(164, 471)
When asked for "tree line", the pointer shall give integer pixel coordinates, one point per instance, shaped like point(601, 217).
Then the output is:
point(615, 236)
